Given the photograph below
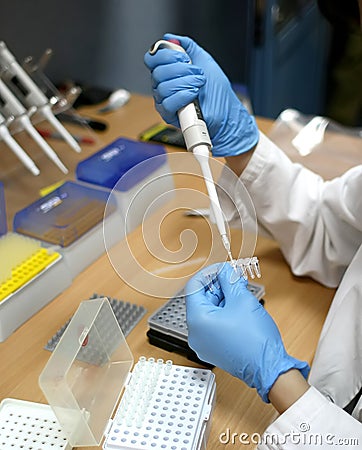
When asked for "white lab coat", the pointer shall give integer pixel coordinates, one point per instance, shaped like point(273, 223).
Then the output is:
point(319, 228)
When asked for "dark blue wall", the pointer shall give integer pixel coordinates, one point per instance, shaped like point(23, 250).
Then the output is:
point(102, 42)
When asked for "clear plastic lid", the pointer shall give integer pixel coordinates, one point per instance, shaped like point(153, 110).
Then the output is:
point(84, 377)
point(64, 215)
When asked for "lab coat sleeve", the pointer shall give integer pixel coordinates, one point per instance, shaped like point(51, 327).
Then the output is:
point(312, 422)
point(317, 223)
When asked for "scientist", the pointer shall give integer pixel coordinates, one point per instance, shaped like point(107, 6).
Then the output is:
point(319, 228)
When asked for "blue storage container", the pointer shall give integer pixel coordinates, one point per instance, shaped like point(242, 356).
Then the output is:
point(107, 167)
point(64, 215)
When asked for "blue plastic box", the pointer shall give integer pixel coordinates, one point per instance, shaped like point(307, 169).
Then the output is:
point(64, 215)
point(107, 167)
point(73, 217)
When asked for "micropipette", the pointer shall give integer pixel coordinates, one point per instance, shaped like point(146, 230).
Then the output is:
point(198, 141)
point(19, 80)
point(10, 106)
point(15, 147)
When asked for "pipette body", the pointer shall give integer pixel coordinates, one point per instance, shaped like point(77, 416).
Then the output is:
point(10, 106)
point(198, 141)
point(19, 80)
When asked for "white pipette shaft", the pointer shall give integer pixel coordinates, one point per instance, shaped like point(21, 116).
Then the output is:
point(18, 151)
point(48, 114)
point(28, 127)
point(201, 153)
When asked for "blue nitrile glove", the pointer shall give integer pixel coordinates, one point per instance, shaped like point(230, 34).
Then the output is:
point(176, 83)
point(230, 329)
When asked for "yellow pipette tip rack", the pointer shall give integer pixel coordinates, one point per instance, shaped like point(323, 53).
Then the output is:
point(23, 272)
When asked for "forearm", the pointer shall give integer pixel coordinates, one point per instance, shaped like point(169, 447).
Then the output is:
point(287, 389)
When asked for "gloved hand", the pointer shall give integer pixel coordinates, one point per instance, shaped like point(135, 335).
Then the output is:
point(176, 83)
point(229, 328)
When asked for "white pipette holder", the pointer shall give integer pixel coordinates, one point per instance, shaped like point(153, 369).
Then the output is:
point(30, 99)
point(60, 102)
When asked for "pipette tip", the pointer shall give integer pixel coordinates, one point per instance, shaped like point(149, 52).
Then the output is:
point(226, 242)
point(233, 262)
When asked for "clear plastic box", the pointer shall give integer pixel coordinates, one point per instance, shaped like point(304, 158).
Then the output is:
point(162, 406)
point(84, 376)
point(72, 217)
point(318, 143)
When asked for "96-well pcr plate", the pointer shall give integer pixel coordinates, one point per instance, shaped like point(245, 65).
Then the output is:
point(164, 406)
point(170, 319)
point(29, 426)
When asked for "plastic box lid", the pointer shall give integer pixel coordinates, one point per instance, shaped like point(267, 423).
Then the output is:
point(3, 225)
point(106, 167)
point(85, 374)
point(64, 215)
